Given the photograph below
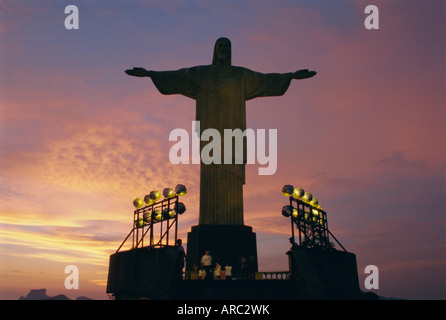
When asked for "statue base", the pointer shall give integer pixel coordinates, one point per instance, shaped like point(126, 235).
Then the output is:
point(227, 244)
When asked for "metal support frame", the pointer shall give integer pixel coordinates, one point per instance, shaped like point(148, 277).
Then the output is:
point(164, 227)
point(312, 225)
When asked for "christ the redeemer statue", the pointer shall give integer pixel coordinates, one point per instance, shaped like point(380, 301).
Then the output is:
point(220, 91)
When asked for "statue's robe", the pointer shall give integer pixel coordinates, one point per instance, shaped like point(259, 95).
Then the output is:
point(220, 93)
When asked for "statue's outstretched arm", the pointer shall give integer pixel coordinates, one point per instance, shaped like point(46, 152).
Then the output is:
point(303, 74)
point(138, 72)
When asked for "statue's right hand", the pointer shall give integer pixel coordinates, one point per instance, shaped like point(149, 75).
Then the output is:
point(137, 72)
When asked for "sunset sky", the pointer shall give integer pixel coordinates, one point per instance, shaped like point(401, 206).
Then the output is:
point(79, 139)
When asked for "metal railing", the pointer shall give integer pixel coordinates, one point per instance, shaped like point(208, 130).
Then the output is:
point(270, 275)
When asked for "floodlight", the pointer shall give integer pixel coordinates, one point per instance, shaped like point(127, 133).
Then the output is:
point(287, 211)
point(140, 223)
point(295, 213)
point(168, 193)
point(314, 202)
point(138, 203)
point(147, 216)
point(180, 208)
point(157, 214)
point(148, 201)
point(168, 213)
point(307, 197)
point(287, 190)
point(298, 193)
point(180, 190)
point(155, 195)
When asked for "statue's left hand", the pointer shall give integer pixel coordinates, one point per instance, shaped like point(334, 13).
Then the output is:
point(303, 74)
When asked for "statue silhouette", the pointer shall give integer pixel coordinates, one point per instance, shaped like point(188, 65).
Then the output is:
point(220, 91)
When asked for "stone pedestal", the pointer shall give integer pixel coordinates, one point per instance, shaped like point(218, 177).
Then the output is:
point(226, 243)
point(143, 272)
point(324, 274)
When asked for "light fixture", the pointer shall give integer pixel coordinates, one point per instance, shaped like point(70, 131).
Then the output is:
point(307, 197)
point(140, 223)
point(168, 213)
point(147, 216)
point(295, 213)
point(155, 195)
point(157, 215)
point(180, 208)
point(180, 190)
point(287, 190)
point(314, 202)
point(287, 211)
point(298, 193)
point(138, 203)
point(168, 193)
point(147, 200)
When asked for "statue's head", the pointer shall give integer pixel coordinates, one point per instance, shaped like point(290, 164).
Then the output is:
point(222, 51)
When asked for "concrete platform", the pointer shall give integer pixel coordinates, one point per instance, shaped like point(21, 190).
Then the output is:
point(152, 273)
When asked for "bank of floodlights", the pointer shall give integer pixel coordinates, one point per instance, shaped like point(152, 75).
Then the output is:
point(308, 217)
point(156, 208)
